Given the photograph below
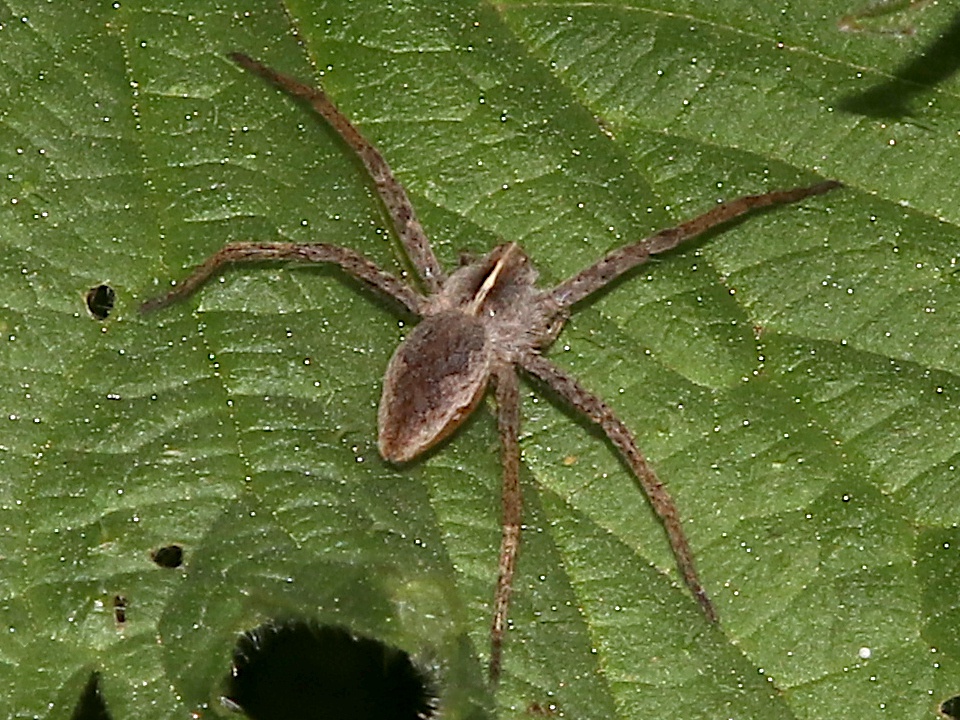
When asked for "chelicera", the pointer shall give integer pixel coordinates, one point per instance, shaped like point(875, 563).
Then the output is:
point(480, 324)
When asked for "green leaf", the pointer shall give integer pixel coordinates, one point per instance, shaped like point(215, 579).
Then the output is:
point(792, 378)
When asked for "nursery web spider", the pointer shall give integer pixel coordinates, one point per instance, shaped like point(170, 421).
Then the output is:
point(480, 323)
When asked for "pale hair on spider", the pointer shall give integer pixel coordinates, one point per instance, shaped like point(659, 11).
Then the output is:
point(480, 323)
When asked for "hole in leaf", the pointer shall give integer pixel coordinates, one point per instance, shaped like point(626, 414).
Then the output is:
point(100, 301)
point(543, 710)
point(120, 609)
point(951, 708)
point(91, 706)
point(323, 672)
point(168, 556)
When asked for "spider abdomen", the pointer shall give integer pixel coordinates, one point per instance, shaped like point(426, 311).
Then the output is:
point(434, 380)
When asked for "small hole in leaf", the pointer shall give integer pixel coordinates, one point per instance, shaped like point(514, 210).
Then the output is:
point(951, 708)
point(543, 710)
point(323, 672)
point(120, 609)
point(100, 301)
point(91, 706)
point(169, 556)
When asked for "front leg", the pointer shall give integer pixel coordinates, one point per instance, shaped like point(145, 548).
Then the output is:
point(393, 194)
point(618, 433)
point(507, 395)
point(350, 261)
point(619, 261)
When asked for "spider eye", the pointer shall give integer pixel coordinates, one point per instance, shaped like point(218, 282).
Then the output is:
point(434, 380)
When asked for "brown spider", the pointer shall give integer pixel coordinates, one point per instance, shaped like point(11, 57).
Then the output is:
point(481, 322)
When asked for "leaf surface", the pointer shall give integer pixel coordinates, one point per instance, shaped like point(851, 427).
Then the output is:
point(793, 378)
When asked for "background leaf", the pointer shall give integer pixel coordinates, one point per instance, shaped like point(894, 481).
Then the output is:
point(793, 378)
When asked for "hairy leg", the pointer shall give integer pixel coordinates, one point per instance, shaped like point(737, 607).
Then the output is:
point(350, 261)
point(599, 412)
point(394, 197)
point(507, 394)
point(617, 262)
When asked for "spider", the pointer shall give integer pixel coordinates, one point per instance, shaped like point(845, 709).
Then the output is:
point(480, 324)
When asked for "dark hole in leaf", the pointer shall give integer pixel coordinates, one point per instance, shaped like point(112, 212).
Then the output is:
point(544, 710)
point(120, 609)
point(91, 706)
point(100, 301)
point(169, 556)
point(951, 708)
point(305, 671)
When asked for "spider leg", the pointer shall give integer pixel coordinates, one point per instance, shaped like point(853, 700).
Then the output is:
point(349, 260)
point(618, 433)
point(507, 394)
point(619, 261)
point(391, 192)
